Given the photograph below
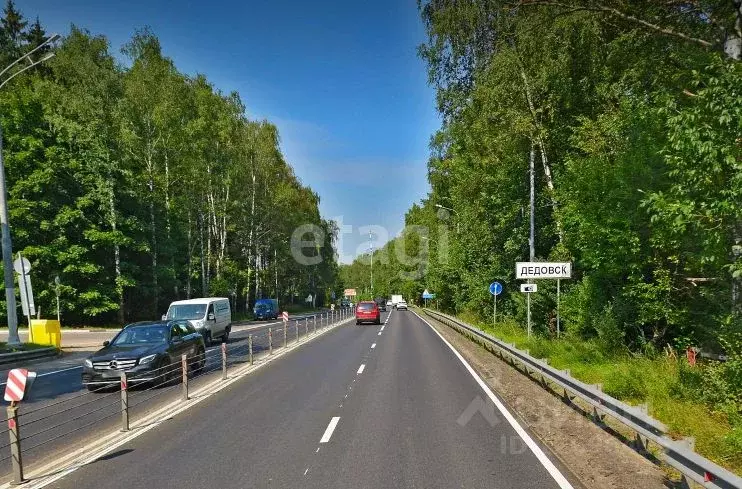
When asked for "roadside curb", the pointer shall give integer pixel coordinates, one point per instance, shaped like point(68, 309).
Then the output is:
point(23, 356)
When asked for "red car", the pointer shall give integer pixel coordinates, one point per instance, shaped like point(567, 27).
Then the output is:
point(368, 311)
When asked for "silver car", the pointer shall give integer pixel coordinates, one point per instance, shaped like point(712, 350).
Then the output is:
point(401, 305)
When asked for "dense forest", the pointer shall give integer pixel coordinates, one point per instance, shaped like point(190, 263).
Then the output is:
point(631, 115)
point(136, 184)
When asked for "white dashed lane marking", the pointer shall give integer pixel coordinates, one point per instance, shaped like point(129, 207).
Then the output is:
point(360, 369)
point(330, 429)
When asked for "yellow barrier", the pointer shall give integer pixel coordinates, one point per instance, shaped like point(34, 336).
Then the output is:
point(46, 332)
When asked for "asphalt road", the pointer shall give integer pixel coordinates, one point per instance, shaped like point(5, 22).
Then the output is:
point(60, 413)
point(360, 407)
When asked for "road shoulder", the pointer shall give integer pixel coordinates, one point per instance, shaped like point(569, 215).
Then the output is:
point(595, 457)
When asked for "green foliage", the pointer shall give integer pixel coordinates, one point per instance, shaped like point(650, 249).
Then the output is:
point(137, 184)
point(637, 157)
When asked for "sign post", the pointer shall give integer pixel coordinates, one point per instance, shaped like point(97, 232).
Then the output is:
point(495, 289)
point(528, 289)
point(427, 296)
point(22, 267)
point(559, 286)
point(548, 270)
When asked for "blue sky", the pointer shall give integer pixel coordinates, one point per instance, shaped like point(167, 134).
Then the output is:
point(340, 79)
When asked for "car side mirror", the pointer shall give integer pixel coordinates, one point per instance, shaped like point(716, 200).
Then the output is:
point(106, 343)
point(212, 317)
point(164, 317)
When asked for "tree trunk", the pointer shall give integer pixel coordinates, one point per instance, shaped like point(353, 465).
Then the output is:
point(116, 256)
point(251, 237)
point(204, 278)
point(542, 147)
point(190, 257)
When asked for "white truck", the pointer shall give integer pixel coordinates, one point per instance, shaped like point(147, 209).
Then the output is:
point(396, 298)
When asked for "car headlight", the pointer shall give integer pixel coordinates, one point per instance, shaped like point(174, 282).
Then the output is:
point(88, 363)
point(147, 359)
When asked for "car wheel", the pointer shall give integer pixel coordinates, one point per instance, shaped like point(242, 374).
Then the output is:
point(357, 322)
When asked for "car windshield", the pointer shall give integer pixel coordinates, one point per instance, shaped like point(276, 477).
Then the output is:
point(138, 335)
point(186, 311)
point(261, 307)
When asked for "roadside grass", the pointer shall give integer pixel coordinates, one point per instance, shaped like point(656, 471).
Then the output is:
point(661, 382)
point(4, 348)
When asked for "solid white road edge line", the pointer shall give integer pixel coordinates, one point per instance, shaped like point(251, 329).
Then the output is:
point(540, 455)
point(52, 373)
point(79, 458)
point(330, 429)
point(379, 333)
point(360, 369)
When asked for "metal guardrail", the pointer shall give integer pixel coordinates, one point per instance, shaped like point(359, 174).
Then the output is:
point(677, 454)
point(22, 356)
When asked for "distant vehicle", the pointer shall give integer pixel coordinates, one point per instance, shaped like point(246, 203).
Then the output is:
point(266, 309)
point(344, 303)
point(389, 303)
point(368, 311)
point(381, 303)
point(211, 316)
point(401, 305)
point(147, 352)
point(395, 299)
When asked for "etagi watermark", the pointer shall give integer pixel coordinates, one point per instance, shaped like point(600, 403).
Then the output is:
point(414, 249)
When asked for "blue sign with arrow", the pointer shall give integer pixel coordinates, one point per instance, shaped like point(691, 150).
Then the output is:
point(495, 288)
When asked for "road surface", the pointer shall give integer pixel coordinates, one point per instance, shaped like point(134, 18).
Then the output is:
point(362, 407)
point(60, 411)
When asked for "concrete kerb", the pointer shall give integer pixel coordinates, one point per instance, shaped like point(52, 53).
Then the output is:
point(42, 476)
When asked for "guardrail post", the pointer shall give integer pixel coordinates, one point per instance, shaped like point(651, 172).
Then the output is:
point(124, 403)
point(284, 334)
point(296, 325)
point(184, 368)
point(314, 323)
point(306, 326)
point(270, 341)
point(224, 361)
point(249, 347)
point(15, 444)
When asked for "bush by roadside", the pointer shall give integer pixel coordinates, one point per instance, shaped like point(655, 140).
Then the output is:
point(704, 402)
point(4, 348)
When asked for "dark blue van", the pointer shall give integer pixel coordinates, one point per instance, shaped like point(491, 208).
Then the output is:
point(266, 309)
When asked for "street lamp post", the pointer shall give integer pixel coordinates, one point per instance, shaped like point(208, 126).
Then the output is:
point(7, 245)
point(371, 246)
point(452, 210)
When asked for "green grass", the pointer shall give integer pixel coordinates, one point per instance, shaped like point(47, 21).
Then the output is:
point(4, 348)
point(659, 382)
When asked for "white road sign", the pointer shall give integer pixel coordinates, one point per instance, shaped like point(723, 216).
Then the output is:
point(528, 288)
point(21, 265)
point(532, 270)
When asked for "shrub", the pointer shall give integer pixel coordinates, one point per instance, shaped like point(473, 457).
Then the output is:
point(626, 384)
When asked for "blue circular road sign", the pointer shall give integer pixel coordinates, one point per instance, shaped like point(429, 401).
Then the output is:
point(495, 288)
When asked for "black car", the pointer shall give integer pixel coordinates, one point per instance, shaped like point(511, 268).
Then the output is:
point(147, 352)
point(381, 302)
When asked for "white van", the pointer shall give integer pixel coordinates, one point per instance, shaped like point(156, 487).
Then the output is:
point(211, 316)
